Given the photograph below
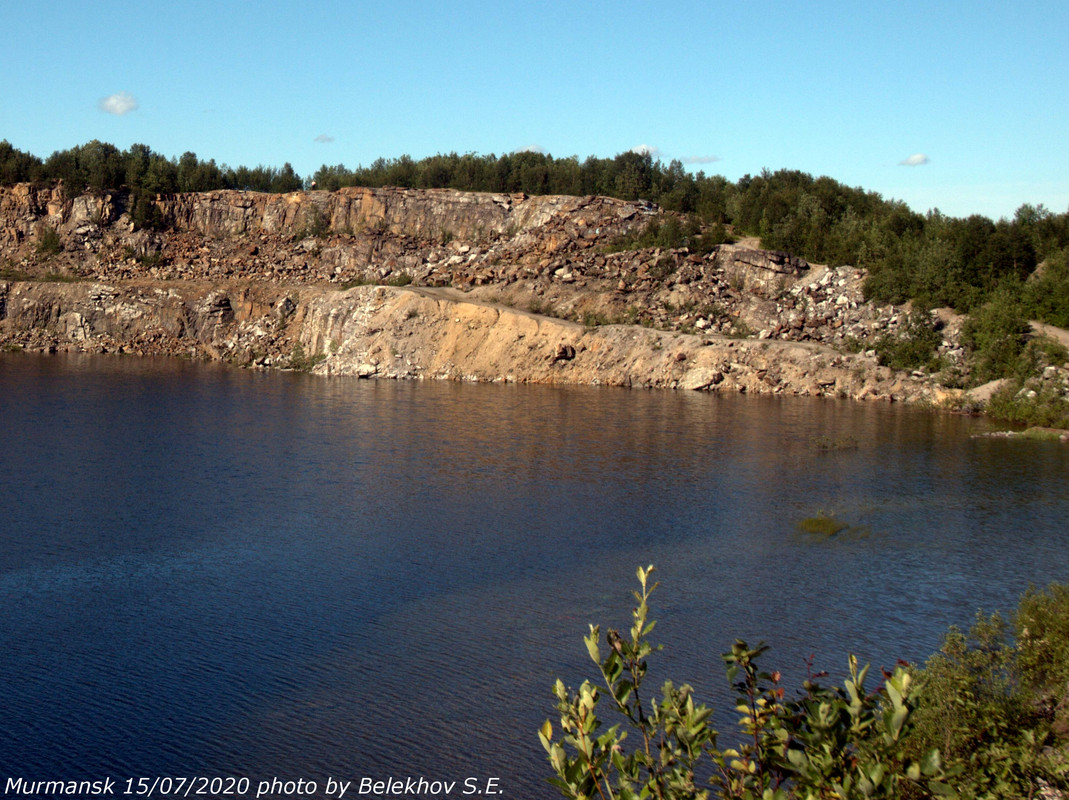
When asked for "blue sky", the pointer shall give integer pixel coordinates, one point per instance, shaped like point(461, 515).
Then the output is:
point(955, 105)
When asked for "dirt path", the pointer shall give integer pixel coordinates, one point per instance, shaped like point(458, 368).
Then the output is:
point(1060, 335)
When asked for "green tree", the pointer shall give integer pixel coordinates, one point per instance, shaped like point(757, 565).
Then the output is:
point(17, 166)
point(286, 180)
point(99, 166)
point(633, 178)
point(995, 336)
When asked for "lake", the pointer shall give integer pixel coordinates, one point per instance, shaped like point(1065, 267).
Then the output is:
point(213, 572)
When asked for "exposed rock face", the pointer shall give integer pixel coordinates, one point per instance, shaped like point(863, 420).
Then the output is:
point(437, 334)
point(391, 332)
point(481, 287)
point(423, 214)
point(762, 272)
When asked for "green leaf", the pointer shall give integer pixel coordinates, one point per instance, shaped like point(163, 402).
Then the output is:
point(898, 720)
point(546, 734)
point(592, 644)
point(941, 789)
point(877, 773)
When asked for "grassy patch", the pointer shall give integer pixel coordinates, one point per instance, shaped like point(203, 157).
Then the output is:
point(302, 362)
point(354, 283)
point(144, 259)
point(58, 277)
point(13, 274)
point(827, 444)
point(593, 319)
point(822, 525)
point(1044, 434)
point(10, 273)
point(739, 330)
point(397, 279)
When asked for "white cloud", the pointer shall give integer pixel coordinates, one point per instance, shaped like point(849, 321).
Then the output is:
point(915, 160)
point(645, 149)
point(119, 104)
point(531, 148)
point(324, 138)
point(701, 159)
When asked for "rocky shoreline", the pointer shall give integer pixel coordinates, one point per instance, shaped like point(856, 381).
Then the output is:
point(420, 333)
point(438, 284)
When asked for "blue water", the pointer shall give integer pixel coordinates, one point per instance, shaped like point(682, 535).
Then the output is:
point(212, 572)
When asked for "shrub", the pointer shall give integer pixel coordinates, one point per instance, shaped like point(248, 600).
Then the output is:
point(995, 336)
point(146, 259)
point(1016, 402)
point(144, 212)
point(1040, 352)
point(714, 235)
point(976, 704)
point(316, 224)
point(48, 243)
point(669, 231)
point(914, 349)
point(1046, 295)
point(966, 707)
point(361, 281)
point(592, 319)
point(302, 362)
point(1041, 625)
point(843, 742)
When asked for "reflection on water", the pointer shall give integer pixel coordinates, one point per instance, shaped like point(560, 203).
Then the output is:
point(227, 572)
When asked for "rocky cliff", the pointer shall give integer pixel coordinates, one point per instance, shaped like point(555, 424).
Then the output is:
point(434, 284)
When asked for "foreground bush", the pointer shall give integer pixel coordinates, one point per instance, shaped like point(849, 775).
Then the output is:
point(829, 742)
point(998, 711)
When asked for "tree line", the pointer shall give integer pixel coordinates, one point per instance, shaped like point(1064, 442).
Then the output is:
point(138, 171)
point(932, 259)
point(101, 167)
